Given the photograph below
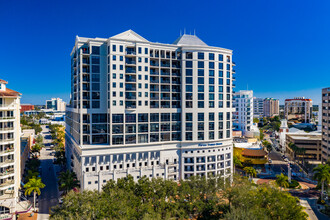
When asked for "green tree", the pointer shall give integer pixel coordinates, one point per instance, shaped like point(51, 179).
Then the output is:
point(31, 174)
point(36, 148)
point(256, 120)
point(33, 186)
point(250, 171)
point(39, 139)
point(322, 175)
point(282, 181)
point(67, 181)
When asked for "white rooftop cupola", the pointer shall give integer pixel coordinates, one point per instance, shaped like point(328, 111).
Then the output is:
point(3, 85)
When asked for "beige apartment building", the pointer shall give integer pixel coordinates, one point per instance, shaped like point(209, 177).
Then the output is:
point(271, 107)
point(298, 109)
point(325, 124)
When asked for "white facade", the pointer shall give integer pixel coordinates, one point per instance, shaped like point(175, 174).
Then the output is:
point(9, 150)
point(149, 109)
point(56, 104)
point(258, 107)
point(243, 116)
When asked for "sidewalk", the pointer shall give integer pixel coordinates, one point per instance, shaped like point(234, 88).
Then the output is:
point(308, 209)
point(26, 216)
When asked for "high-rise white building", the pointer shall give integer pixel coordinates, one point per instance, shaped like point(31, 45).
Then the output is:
point(149, 109)
point(56, 104)
point(9, 150)
point(243, 115)
point(258, 107)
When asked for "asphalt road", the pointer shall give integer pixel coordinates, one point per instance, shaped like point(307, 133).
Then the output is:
point(49, 194)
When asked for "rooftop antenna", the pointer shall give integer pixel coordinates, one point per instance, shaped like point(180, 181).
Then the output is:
point(184, 32)
point(247, 86)
point(195, 32)
point(180, 33)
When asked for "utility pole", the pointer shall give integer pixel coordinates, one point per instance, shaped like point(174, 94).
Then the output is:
point(289, 173)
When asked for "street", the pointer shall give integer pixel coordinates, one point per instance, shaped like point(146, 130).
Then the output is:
point(49, 195)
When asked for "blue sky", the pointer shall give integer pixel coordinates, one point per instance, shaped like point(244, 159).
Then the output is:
point(281, 48)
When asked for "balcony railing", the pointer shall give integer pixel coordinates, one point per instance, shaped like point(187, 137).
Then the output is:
point(6, 129)
point(7, 172)
point(7, 118)
point(7, 183)
point(7, 151)
point(6, 140)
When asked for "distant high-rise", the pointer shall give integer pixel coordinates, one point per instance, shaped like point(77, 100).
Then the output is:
point(243, 116)
point(56, 104)
point(298, 109)
point(258, 107)
point(149, 109)
point(271, 107)
point(325, 124)
point(10, 179)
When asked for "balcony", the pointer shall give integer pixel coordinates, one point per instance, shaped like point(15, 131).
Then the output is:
point(7, 129)
point(130, 70)
point(11, 150)
point(6, 162)
point(153, 63)
point(7, 118)
point(153, 72)
point(6, 140)
point(130, 52)
point(7, 183)
point(7, 172)
point(130, 79)
point(130, 62)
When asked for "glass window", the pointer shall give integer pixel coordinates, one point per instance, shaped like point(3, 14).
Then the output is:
point(200, 136)
point(189, 88)
point(211, 65)
point(154, 117)
point(130, 139)
point(95, 60)
point(221, 66)
point(200, 88)
point(189, 126)
point(143, 138)
point(200, 80)
point(220, 57)
point(200, 104)
point(114, 48)
point(211, 56)
point(117, 129)
point(211, 81)
point(165, 117)
point(117, 118)
point(200, 64)
point(154, 127)
point(130, 118)
point(200, 72)
point(95, 69)
point(220, 116)
point(143, 117)
point(189, 80)
point(211, 116)
point(200, 116)
point(154, 137)
point(130, 128)
point(201, 56)
point(117, 139)
point(95, 104)
point(121, 48)
point(189, 64)
point(189, 116)
point(189, 136)
point(189, 72)
point(200, 96)
point(211, 88)
point(146, 50)
point(143, 128)
point(95, 50)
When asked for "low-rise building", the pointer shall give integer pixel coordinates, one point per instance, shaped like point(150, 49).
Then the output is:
point(26, 107)
point(27, 139)
point(250, 150)
point(308, 146)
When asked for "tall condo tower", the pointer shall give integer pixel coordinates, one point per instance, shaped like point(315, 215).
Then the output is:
point(149, 109)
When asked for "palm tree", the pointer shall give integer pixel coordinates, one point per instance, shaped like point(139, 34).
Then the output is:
point(282, 181)
point(322, 174)
point(34, 185)
point(68, 180)
point(250, 171)
point(237, 162)
point(294, 148)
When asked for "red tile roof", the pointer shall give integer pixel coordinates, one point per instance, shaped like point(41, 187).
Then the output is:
point(3, 81)
point(255, 153)
point(298, 100)
point(9, 93)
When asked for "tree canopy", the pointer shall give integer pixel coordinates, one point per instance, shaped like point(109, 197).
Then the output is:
point(196, 198)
